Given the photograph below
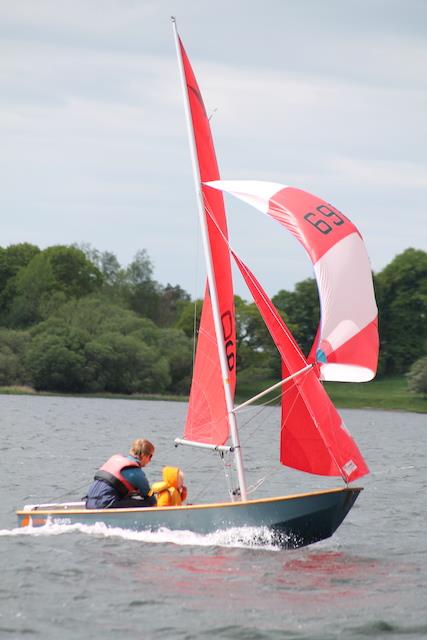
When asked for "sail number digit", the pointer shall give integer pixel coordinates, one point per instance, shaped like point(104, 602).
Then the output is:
point(227, 330)
point(335, 218)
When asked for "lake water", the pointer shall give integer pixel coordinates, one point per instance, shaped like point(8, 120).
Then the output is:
point(368, 581)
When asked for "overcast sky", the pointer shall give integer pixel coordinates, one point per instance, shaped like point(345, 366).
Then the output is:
point(324, 95)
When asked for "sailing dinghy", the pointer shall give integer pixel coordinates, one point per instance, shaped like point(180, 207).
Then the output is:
point(313, 438)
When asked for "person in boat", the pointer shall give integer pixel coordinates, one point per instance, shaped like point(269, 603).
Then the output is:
point(171, 492)
point(121, 482)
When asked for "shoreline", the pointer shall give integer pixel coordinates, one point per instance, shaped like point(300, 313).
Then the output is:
point(382, 395)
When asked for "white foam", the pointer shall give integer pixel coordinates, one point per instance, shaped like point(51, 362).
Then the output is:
point(241, 537)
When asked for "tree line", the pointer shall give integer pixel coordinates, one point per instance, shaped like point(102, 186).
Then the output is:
point(72, 319)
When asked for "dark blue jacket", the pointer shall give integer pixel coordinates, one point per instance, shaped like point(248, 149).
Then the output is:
point(102, 495)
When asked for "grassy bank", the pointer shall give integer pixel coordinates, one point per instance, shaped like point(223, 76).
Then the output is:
point(27, 391)
point(389, 393)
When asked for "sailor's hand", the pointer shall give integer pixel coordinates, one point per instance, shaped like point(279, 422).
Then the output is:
point(158, 486)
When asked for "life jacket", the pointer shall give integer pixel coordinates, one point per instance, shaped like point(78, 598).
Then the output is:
point(168, 494)
point(111, 473)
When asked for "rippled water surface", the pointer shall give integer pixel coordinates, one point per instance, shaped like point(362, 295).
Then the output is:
point(368, 581)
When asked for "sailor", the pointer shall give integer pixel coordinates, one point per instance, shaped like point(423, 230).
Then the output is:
point(121, 482)
point(171, 492)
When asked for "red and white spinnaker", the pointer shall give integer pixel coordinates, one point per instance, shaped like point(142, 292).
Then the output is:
point(346, 345)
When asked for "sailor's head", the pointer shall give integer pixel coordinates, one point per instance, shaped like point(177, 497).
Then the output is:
point(174, 477)
point(181, 479)
point(143, 450)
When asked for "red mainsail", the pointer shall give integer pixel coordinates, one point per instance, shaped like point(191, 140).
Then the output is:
point(207, 419)
point(313, 436)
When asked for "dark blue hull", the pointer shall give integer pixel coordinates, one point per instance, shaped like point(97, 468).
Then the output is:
point(293, 521)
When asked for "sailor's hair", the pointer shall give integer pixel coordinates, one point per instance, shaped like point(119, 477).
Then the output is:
point(181, 477)
point(141, 447)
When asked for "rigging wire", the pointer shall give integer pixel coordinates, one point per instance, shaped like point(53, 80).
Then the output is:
point(194, 333)
point(196, 285)
point(213, 112)
point(195, 462)
point(228, 472)
point(70, 493)
point(266, 404)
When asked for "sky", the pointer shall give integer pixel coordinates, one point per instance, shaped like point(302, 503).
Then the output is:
point(327, 96)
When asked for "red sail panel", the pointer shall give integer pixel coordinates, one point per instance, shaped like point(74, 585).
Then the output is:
point(313, 436)
point(314, 222)
point(207, 419)
point(207, 406)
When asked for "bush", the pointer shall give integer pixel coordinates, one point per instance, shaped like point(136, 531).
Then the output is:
point(91, 345)
point(13, 348)
point(56, 362)
point(124, 364)
point(417, 376)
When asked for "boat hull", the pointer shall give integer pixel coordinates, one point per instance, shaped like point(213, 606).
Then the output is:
point(293, 521)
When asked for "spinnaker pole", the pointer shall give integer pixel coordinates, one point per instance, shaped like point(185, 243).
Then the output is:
point(234, 434)
point(273, 387)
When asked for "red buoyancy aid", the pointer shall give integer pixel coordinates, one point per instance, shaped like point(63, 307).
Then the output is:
point(111, 472)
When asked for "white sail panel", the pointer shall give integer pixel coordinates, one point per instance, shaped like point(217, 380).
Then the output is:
point(340, 287)
point(257, 193)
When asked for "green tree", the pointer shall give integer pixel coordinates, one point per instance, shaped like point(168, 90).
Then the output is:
point(189, 317)
point(255, 348)
point(417, 376)
point(124, 364)
point(143, 294)
point(177, 349)
point(48, 280)
point(13, 349)
point(95, 314)
point(301, 311)
point(106, 262)
point(12, 260)
point(57, 362)
point(401, 290)
point(102, 347)
point(172, 301)
point(74, 274)
point(135, 288)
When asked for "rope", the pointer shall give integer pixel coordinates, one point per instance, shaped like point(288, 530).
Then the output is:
point(264, 406)
point(194, 333)
point(196, 288)
point(227, 468)
point(71, 493)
